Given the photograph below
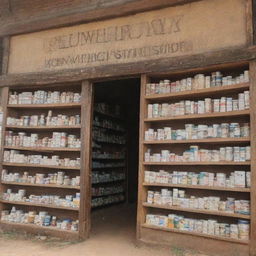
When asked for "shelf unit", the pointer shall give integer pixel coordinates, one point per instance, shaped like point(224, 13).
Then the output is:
point(83, 131)
point(101, 118)
point(180, 238)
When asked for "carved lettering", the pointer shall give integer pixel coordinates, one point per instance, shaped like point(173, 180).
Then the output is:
point(154, 27)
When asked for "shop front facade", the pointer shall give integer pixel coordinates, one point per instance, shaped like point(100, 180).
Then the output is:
point(195, 61)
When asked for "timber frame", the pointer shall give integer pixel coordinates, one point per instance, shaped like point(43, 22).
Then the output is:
point(101, 10)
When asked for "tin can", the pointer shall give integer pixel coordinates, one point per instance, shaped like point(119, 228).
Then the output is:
point(224, 130)
point(229, 154)
point(223, 105)
point(208, 105)
point(241, 101)
point(234, 231)
point(243, 229)
point(216, 105)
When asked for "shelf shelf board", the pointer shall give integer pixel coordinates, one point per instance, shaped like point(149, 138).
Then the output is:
point(108, 167)
point(99, 158)
point(207, 212)
point(231, 240)
point(49, 127)
point(197, 163)
point(108, 142)
point(110, 194)
point(36, 227)
point(107, 128)
point(43, 149)
point(108, 115)
point(245, 190)
point(56, 105)
point(200, 92)
point(41, 166)
point(39, 205)
point(40, 185)
point(210, 140)
point(109, 181)
point(237, 113)
point(108, 204)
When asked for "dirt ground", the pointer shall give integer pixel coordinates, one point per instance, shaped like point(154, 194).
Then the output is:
point(113, 234)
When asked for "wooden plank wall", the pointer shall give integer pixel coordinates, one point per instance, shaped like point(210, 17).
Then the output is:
point(18, 17)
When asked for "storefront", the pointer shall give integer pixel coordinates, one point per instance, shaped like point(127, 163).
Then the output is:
point(71, 96)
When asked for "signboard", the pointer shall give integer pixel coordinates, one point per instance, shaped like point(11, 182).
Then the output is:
point(189, 29)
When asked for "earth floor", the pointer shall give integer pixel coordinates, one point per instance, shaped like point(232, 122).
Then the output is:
point(113, 234)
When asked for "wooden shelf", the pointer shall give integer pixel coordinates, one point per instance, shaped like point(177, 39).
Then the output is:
point(42, 166)
point(238, 113)
point(176, 122)
point(38, 228)
point(108, 142)
point(226, 239)
point(111, 129)
point(197, 163)
point(108, 204)
point(108, 115)
point(220, 90)
point(40, 205)
point(56, 105)
point(207, 212)
point(108, 167)
point(110, 194)
point(49, 127)
point(40, 185)
point(95, 158)
point(209, 140)
point(43, 149)
point(245, 190)
point(109, 181)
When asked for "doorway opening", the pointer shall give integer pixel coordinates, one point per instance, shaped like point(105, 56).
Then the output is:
point(115, 157)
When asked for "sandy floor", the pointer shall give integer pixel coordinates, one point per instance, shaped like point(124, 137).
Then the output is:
point(113, 234)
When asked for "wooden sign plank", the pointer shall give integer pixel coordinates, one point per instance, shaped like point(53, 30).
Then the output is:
point(189, 29)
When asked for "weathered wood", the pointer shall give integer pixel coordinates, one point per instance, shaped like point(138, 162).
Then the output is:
point(5, 54)
point(254, 20)
point(197, 243)
point(34, 15)
point(142, 191)
point(164, 33)
point(85, 175)
point(131, 69)
point(253, 156)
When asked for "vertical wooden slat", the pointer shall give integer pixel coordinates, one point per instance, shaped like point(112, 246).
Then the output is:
point(254, 20)
point(86, 140)
point(253, 156)
point(6, 52)
point(249, 22)
point(141, 211)
point(4, 101)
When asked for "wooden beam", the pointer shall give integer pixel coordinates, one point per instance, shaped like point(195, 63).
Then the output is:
point(131, 69)
point(5, 55)
point(99, 10)
point(253, 156)
point(85, 175)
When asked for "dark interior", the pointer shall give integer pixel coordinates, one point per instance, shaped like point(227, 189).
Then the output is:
point(125, 93)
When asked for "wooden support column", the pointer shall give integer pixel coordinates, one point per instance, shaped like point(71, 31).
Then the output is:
point(86, 140)
point(4, 102)
point(142, 149)
point(253, 156)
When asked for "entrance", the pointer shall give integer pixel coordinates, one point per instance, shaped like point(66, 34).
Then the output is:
point(115, 153)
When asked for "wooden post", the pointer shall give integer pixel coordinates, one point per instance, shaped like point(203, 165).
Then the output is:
point(142, 149)
point(6, 51)
point(85, 175)
point(253, 156)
